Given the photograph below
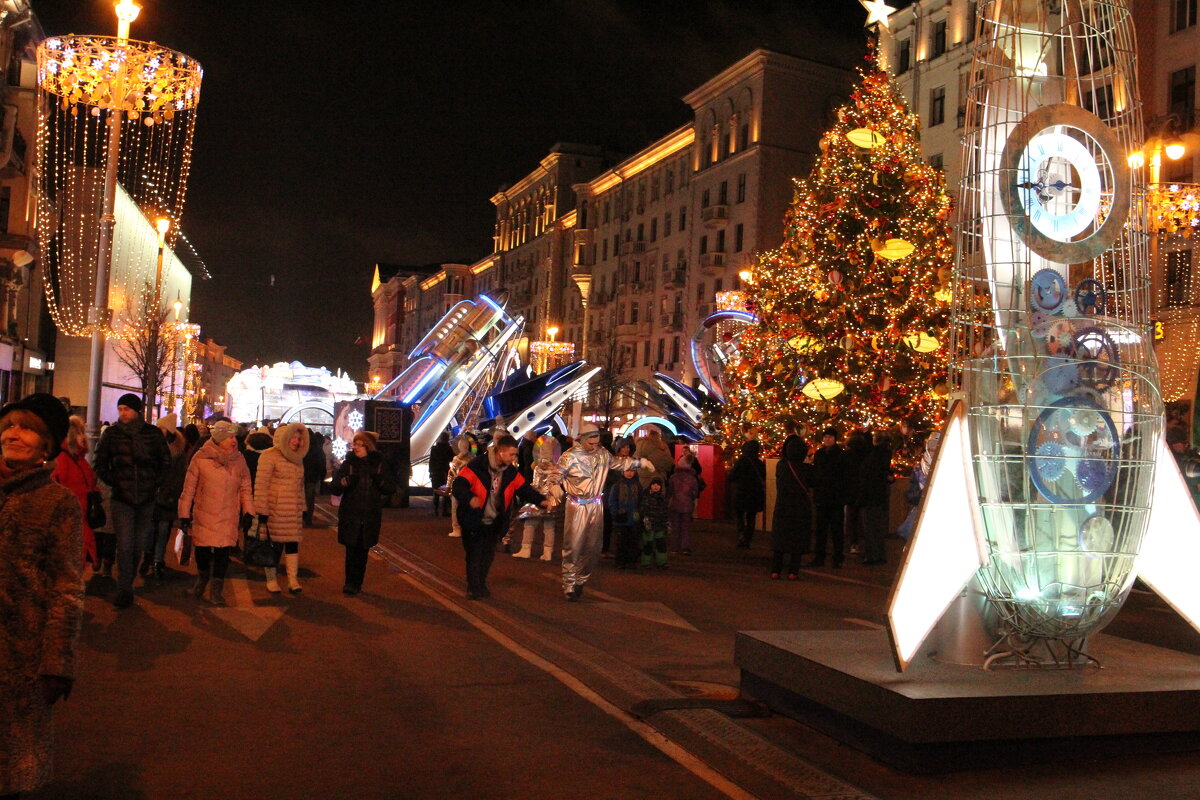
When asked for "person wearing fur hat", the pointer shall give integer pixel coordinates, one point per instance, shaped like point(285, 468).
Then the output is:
point(364, 482)
point(585, 467)
point(279, 498)
point(215, 500)
point(257, 443)
point(41, 586)
point(132, 457)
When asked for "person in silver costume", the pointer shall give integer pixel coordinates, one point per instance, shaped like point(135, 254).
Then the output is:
point(584, 468)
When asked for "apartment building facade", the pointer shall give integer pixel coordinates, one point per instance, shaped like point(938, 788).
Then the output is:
point(655, 236)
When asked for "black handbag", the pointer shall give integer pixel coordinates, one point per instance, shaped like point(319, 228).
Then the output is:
point(96, 518)
point(260, 551)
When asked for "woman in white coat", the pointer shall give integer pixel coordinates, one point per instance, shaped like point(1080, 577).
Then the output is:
point(279, 498)
point(216, 498)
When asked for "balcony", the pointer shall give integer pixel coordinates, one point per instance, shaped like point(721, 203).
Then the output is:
point(715, 216)
point(671, 322)
point(675, 279)
point(634, 328)
point(628, 248)
point(710, 262)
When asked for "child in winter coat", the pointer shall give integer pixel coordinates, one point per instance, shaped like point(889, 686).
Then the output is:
point(547, 479)
point(654, 518)
point(623, 500)
point(683, 488)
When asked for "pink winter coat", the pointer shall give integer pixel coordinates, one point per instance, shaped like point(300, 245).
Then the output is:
point(216, 491)
point(279, 485)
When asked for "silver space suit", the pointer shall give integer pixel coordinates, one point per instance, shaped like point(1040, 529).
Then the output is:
point(583, 476)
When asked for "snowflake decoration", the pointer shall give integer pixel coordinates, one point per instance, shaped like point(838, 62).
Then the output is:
point(339, 449)
point(354, 420)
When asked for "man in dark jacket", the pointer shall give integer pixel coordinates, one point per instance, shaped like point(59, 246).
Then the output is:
point(874, 482)
point(485, 489)
point(440, 456)
point(132, 457)
point(829, 497)
point(314, 474)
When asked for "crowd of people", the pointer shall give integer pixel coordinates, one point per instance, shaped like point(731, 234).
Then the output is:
point(209, 487)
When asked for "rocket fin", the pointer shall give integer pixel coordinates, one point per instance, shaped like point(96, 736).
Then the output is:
point(1171, 550)
point(946, 549)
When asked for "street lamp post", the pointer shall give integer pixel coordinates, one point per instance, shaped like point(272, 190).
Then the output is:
point(151, 365)
point(583, 279)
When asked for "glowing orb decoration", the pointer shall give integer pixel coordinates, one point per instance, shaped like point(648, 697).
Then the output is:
point(865, 138)
point(823, 388)
point(894, 249)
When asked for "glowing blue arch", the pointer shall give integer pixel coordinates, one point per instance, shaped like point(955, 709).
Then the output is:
point(632, 427)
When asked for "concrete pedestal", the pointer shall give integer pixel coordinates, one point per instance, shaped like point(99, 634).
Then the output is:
point(939, 717)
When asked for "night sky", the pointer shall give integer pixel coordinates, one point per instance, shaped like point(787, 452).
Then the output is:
point(334, 135)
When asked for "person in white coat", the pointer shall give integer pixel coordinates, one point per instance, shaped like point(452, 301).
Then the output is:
point(279, 499)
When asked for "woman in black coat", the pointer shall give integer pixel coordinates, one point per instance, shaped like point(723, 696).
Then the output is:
point(792, 523)
point(749, 477)
point(364, 483)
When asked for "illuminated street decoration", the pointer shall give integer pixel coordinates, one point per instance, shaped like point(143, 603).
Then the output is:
point(1058, 444)
point(287, 391)
point(86, 86)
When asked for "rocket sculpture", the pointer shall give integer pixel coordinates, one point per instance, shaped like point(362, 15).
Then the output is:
point(1053, 485)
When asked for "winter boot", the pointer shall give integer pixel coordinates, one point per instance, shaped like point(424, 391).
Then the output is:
point(214, 593)
point(200, 585)
point(292, 562)
point(272, 583)
point(526, 551)
point(548, 552)
point(548, 544)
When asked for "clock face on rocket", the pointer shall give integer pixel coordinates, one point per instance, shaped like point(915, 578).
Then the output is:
point(1064, 184)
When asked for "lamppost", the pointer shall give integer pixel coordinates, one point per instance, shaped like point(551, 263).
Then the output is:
point(582, 276)
point(150, 381)
point(131, 106)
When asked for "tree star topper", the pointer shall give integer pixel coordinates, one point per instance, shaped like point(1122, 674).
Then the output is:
point(877, 11)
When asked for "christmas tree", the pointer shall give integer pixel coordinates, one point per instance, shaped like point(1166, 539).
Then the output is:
point(853, 308)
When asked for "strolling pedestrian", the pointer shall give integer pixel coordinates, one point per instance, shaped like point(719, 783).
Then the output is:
point(485, 490)
point(858, 444)
point(874, 484)
point(830, 496)
point(623, 503)
point(440, 456)
point(364, 483)
point(540, 522)
point(71, 469)
point(654, 525)
point(131, 457)
point(215, 502)
point(314, 474)
point(791, 524)
point(683, 489)
point(257, 443)
point(749, 476)
point(279, 499)
point(655, 452)
point(166, 501)
point(585, 469)
point(41, 589)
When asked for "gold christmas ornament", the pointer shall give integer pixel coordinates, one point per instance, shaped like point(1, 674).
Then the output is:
point(823, 388)
point(922, 342)
point(865, 138)
point(893, 249)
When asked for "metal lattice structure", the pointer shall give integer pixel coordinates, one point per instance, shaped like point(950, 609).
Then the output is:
point(1052, 346)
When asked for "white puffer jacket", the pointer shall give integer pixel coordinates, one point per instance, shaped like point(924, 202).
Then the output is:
point(279, 485)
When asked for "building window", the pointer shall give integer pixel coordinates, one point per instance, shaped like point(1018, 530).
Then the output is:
point(744, 136)
point(703, 245)
point(641, 232)
point(720, 241)
point(723, 194)
point(741, 192)
point(662, 346)
point(653, 189)
point(937, 106)
point(938, 42)
point(607, 211)
point(604, 250)
point(1179, 274)
point(633, 313)
point(674, 350)
point(1183, 14)
point(903, 56)
point(670, 184)
point(667, 224)
point(654, 229)
point(738, 239)
point(646, 353)
point(935, 161)
point(699, 293)
point(1182, 97)
point(705, 199)
point(683, 218)
point(5, 207)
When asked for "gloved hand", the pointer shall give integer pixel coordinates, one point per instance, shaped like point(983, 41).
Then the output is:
point(55, 688)
point(185, 524)
point(246, 521)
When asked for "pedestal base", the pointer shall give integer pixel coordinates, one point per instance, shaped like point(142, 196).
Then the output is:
point(940, 717)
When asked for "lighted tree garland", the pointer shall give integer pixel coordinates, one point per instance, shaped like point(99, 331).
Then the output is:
point(854, 306)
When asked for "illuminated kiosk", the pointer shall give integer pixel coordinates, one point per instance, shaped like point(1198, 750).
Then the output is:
point(285, 393)
point(1053, 489)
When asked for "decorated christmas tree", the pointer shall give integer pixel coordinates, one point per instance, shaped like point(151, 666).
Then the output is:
point(853, 308)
